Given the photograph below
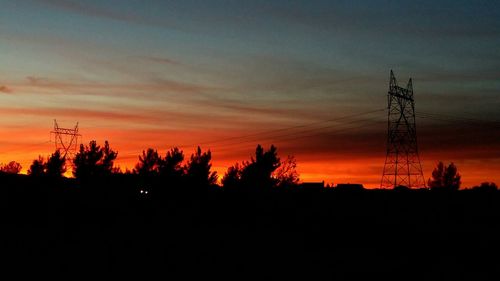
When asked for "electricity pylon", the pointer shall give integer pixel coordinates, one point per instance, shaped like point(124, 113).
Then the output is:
point(402, 164)
point(66, 140)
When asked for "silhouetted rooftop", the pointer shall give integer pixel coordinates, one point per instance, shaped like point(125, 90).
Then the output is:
point(349, 186)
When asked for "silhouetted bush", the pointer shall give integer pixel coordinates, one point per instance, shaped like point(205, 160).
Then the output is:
point(287, 175)
point(486, 186)
point(37, 168)
point(401, 188)
point(12, 167)
point(55, 167)
point(445, 178)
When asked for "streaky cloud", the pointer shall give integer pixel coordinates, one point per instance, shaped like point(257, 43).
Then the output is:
point(92, 10)
point(155, 84)
point(5, 89)
point(160, 60)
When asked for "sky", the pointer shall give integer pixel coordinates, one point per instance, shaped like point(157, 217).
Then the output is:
point(310, 77)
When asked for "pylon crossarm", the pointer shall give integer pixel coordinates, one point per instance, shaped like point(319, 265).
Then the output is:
point(68, 144)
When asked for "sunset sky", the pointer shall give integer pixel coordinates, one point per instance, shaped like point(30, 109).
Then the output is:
point(310, 77)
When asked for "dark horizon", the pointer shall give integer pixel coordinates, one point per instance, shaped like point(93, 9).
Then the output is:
point(131, 224)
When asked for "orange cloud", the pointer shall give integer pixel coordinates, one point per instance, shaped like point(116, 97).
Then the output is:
point(155, 85)
point(5, 89)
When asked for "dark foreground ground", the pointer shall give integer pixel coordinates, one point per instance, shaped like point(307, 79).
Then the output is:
point(70, 230)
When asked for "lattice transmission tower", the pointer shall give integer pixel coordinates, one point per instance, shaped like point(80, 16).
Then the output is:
point(66, 140)
point(402, 164)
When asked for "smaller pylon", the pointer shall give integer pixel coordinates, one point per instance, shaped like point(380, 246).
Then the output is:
point(66, 140)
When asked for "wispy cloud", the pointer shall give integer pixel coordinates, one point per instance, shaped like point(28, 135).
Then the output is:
point(33, 80)
point(5, 89)
point(77, 113)
point(98, 11)
point(90, 10)
point(153, 85)
point(161, 60)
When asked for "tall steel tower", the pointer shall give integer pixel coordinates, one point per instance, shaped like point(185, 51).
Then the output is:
point(402, 164)
point(66, 140)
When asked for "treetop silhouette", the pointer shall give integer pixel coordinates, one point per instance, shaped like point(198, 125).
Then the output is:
point(198, 169)
point(12, 167)
point(264, 171)
point(445, 177)
point(152, 164)
point(94, 160)
point(55, 167)
point(287, 175)
point(149, 162)
point(486, 186)
point(38, 167)
point(171, 165)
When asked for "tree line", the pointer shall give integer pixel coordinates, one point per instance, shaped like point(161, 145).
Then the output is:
point(94, 161)
point(264, 170)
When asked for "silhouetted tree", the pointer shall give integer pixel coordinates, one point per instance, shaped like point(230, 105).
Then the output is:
point(286, 175)
point(149, 163)
point(258, 172)
point(37, 168)
point(486, 186)
point(198, 169)
point(56, 165)
point(108, 159)
point(129, 172)
point(232, 177)
point(94, 161)
point(11, 168)
point(445, 178)
point(117, 170)
point(171, 166)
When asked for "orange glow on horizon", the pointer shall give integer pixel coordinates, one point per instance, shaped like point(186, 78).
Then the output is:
point(329, 171)
point(348, 160)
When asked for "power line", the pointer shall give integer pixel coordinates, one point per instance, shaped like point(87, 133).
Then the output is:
point(463, 121)
point(298, 135)
point(288, 137)
point(334, 133)
point(291, 133)
point(461, 118)
point(225, 143)
point(282, 129)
